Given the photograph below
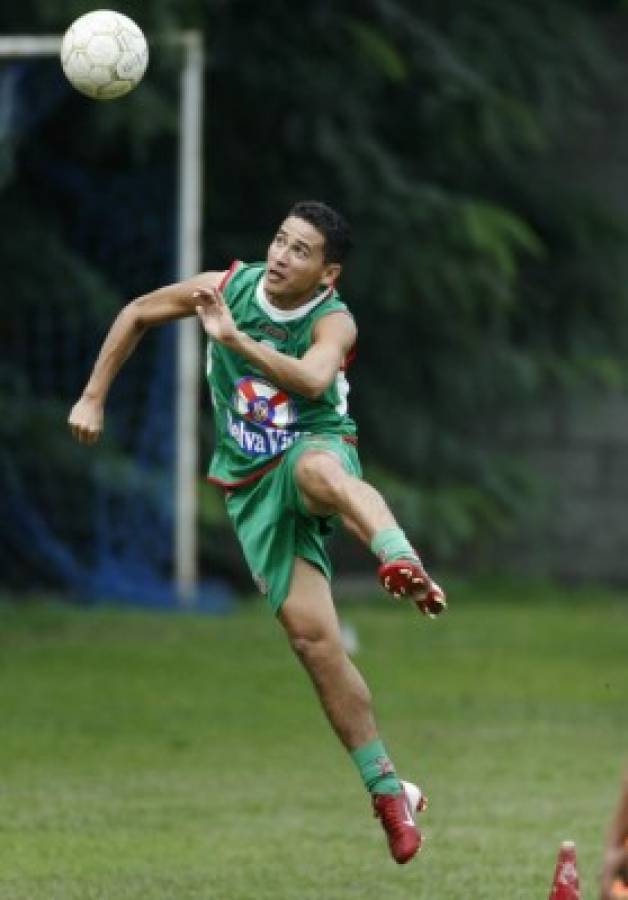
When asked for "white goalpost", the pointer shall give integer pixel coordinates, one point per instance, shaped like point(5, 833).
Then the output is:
point(190, 164)
point(188, 352)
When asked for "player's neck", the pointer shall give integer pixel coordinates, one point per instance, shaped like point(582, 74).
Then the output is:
point(289, 302)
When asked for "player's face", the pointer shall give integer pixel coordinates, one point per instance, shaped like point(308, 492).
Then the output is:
point(295, 264)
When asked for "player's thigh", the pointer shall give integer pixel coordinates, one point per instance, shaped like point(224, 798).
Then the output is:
point(308, 612)
point(319, 475)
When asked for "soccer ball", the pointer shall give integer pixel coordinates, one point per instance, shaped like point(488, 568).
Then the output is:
point(104, 54)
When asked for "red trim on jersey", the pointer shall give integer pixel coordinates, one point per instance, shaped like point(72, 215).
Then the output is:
point(231, 485)
point(225, 278)
point(351, 355)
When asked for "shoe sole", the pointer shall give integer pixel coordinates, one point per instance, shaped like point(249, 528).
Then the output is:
point(405, 579)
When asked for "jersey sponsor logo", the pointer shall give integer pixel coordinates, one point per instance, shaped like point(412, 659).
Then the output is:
point(260, 441)
point(261, 402)
point(274, 331)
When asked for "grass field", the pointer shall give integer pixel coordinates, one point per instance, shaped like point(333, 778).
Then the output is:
point(161, 756)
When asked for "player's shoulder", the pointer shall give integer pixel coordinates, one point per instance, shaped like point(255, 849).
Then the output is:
point(330, 305)
point(241, 273)
point(335, 322)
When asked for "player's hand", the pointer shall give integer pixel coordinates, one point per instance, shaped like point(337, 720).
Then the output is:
point(215, 315)
point(614, 868)
point(86, 420)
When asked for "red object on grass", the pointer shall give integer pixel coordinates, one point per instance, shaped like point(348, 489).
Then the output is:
point(566, 885)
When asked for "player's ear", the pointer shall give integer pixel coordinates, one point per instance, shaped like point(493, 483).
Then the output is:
point(331, 272)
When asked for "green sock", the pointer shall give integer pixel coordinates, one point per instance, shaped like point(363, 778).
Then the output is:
point(391, 543)
point(376, 769)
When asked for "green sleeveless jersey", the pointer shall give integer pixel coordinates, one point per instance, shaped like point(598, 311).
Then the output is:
point(254, 420)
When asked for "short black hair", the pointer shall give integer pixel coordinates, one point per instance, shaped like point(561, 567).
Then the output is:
point(334, 228)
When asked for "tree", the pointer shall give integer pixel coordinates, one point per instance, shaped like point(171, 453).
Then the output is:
point(484, 273)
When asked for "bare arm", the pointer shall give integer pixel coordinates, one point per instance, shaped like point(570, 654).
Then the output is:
point(175, 301)
point(333, 336)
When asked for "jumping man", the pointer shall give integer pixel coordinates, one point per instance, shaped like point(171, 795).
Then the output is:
point(279, 339)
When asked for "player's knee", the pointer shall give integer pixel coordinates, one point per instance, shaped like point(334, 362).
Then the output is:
point(314, 648)
point(320, 475)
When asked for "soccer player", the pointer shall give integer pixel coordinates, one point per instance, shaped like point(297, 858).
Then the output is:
point(279, 339)
point(614, 875)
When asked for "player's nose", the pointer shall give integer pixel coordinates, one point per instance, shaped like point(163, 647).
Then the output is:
point(280, 257)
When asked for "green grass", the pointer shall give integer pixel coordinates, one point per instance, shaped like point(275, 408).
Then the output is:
point(151, 756)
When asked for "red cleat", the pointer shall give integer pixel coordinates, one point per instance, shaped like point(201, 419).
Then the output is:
point(396, 813)
point(408, 578)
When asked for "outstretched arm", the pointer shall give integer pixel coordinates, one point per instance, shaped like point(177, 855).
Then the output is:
point(175, 301)
point(333, 336)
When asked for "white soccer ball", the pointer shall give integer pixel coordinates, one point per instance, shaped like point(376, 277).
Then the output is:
point(104, 54)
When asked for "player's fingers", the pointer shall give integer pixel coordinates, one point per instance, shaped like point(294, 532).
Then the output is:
point(217, 297)
point(204, 314)
point(203, 298)
point(83, 434)
point(74, 429)
point(209, 293)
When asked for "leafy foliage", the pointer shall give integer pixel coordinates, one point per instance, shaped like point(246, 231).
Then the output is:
point(485, 270)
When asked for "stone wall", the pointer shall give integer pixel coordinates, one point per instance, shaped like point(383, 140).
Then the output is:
point(579, 451)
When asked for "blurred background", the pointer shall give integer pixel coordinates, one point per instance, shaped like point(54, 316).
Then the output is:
point(480, 152)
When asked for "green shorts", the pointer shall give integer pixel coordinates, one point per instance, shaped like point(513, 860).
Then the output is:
point(274, 526)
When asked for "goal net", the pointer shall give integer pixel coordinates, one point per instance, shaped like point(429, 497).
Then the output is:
point(93, 212)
